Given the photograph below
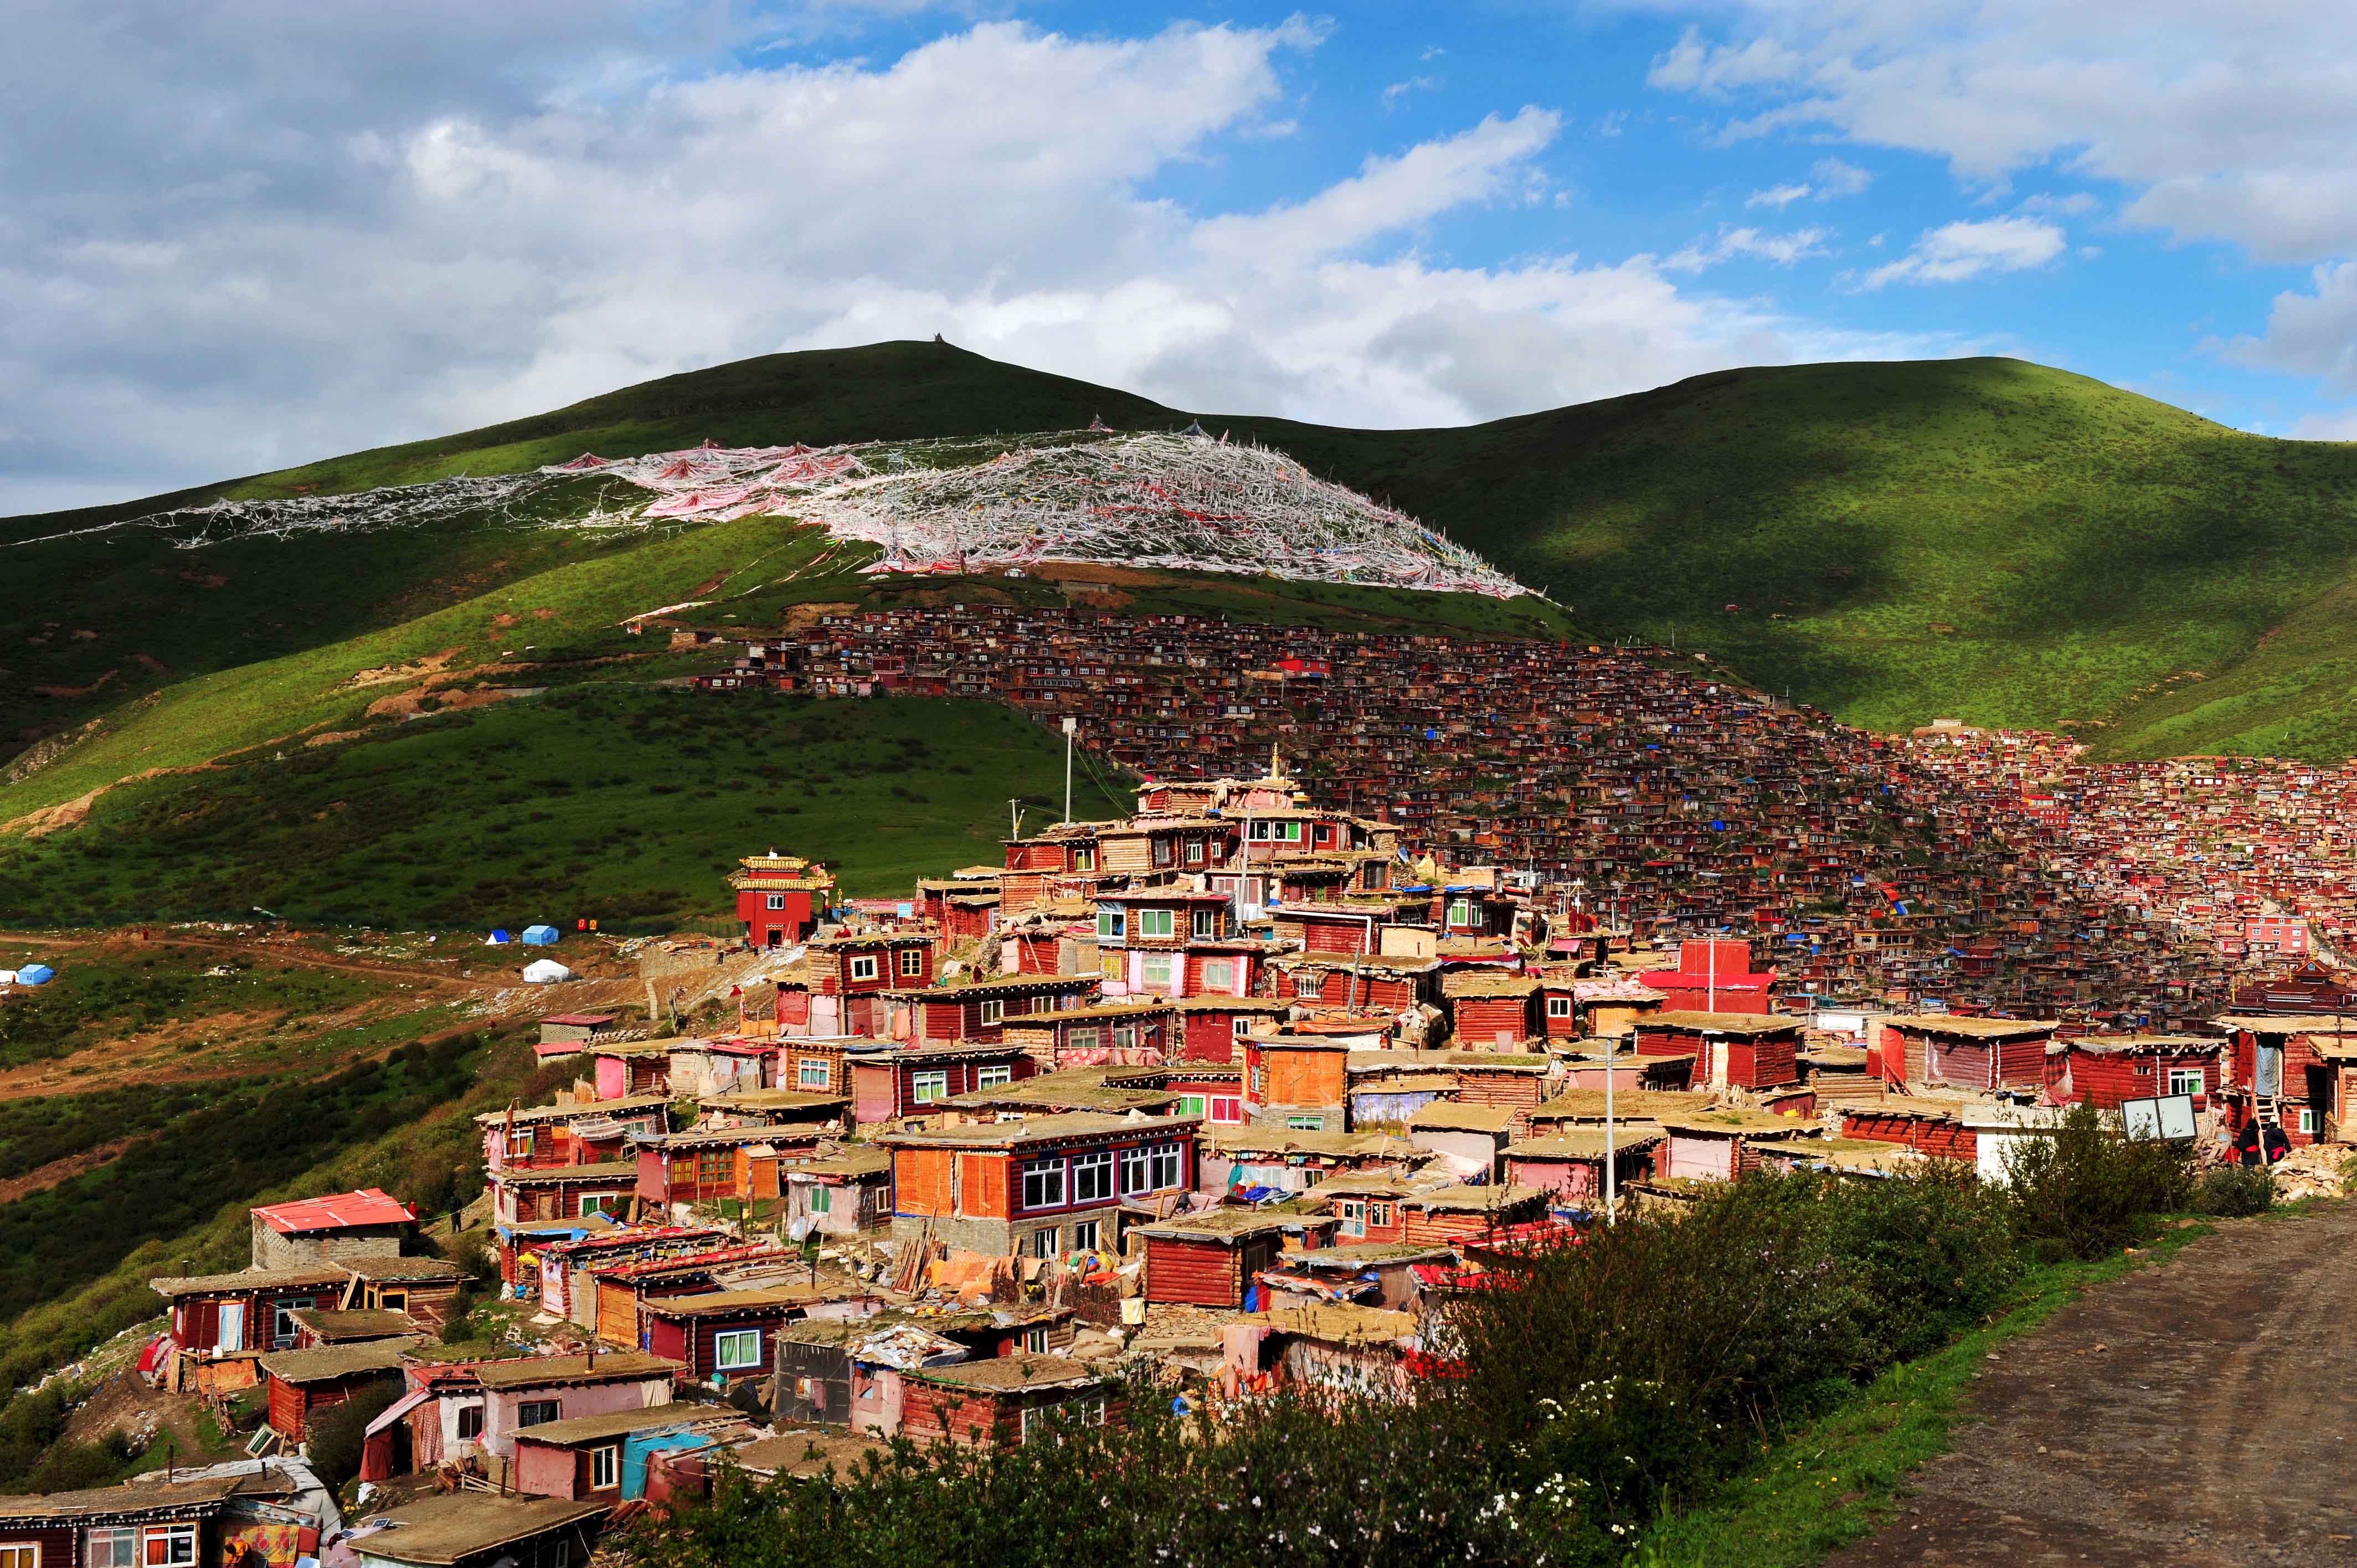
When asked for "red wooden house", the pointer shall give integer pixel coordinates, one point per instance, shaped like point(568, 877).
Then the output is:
point(853, 979)
point(725, 1337)
point(1928, 1126)
point(976, 1011)
point(1470, 1213)
point(1489, 1008)
point(1209, 1259)
point(2106, 1070)
point(780, 897)
point(887, 1085)
point(1713, 977)
point(1729, 1050)
point(2284, 1069)
point(1210, 1027)
point(1299, 1081)
point(1002, 1402)
point(1043, 1185)
point(1915, 1051)
point(1389, 985)
point(1569, 1165)
point(303, 1383)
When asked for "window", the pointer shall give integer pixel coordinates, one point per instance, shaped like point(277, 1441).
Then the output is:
point(924, 1088)
point(170, 1544)
point(535, 1413)
point(776, 901)
point(1123, 1037)
point(994, 1014)
point(1207, 924)
point(1137, 1168)
point(1043, 1242)
point(1111, 925)
point(1084, 1039)
point(606, 1467)
point(1259, 830)
point(393, 1300)
point(864, 967)
point(810, 1074)
point(116, 1547)
point(1042, 1420)
point(1310, 986)
point(912, 961)
point(993, 1077)
point(471, 1422)
point(1558, 1006)
point(1093, 1176)
point(1154, 922)
point(1220, 974)
point(1379, 1213)
point(1109, 964)
point(1043, 1185)
point(1084, 860)
point(1461, 911)
point(1289, 832)
point(1034, 1340)
point(1153, 972)
point(2185, 1080)
point(1084, 1236)
point(1240, 1025)
point(1189, 1105)
point(1306, 1124)
point(1162, 855)
point(283, 1328)
point(601, 1203)
point(736, 1349)
point(1194, 851)
point(2308, 1120)
point(822, 1198)
point(1353, 1215)
point(1167, 1164)
point(1227, 1108)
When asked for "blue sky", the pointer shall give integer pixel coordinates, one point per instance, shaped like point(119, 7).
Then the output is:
point(238, 239)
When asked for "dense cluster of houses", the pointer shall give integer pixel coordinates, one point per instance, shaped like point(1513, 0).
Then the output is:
point(1238, 1092)
point(1639, 796)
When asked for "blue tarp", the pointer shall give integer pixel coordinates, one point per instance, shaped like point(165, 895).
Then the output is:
point(540, 936)
point(35, 974)
point(498, 937)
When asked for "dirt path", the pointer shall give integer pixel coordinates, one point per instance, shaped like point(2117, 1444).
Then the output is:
point(2203, 1413)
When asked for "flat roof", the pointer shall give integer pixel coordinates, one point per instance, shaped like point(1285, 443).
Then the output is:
point(329, 1362)
point(621, 1423)
point(528, 1371)
point(1449, 1116)
point(1010, 1374)
point(1037, 1130)
point(440, 1529)
point(1721, 1023)
point(1587, 1144)
point(1973, 1028)
point(1232, 1224)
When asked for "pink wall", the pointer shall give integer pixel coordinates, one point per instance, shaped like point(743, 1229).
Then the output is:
point(544, 1470)
point(572, 1400)
point(613, 1077)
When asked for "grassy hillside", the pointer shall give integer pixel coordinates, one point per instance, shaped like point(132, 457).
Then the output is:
point(1982, 538)
point(624, 803)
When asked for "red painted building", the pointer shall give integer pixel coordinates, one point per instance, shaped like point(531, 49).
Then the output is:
point(1729, 1050)
point(1209, 1259)
point(780, 897)
point(1919, 1050)
point(1713, 977)
point(2106, 1070)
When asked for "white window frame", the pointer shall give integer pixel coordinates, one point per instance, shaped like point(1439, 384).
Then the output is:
point(1153, 923)
point(1084, 860)
point(863, 967)
point(1461, 911)
point(1353, 1215)
point(1086, 1236)
point(459, 1421)
point(1046, 1178)
point(1156, 972)
point(775, 901)
point(2308, 1120)
point(605, 1467)
point(1170, 1167)
point(1227, 1109)
point(1137, 1171)
point(1085, 1038)
point(997, 1076)
point(1194, 851)
point(818, 1075)
point(1111, 925)
point(821, 1198)
point(282, 1326)
point(1289, 832)
point(2178, 1077)
point(1206, 924)
point(1558, 1006)
point(180, 1544)
point(727, 1338)
point(1240, 1025)
point(1311, 1121)
point(1310, 987)
point(120, 1544)
point(1034, 1340)
point(1091, 1176)
point(1044, 1241)
point(927, 1086)
point(993, 1012)
point(599, 1202)
point(1220, 975)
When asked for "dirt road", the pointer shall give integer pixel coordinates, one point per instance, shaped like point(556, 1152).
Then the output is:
point(2203, 1412)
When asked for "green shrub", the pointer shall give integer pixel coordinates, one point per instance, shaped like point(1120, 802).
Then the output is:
point(338, 1433)
point(2236, 1192)
point(2087, 1188)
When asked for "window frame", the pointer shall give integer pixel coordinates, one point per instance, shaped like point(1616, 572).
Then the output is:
point(866, 958)
point(991, 1011)
point(125, 1536)
point(1090, 1176)
point(1113, 925)
point(282, 1326)
point(1205, 923)
point(605, 1460)
point(1558, 1006)
point(172, 1536)
point(1172, 1155)
point(2178, 1075)
point(1136, 1174)
point(1305, 1121)
point(1088, 1236)
point(1034, 1340)
point(526, 1419)
point(1051, 1184)
point(804, 1068)
point(1046, 1241)
point(459, 1422)
point(1153, 924)
point(1461, 911)
point(911, 964)
point(1220, 975)
point(774, 902)
point(996, 1075)
point(1227, 1110)
point(725, 1337)
point(929, 1085)
point(1158, 972)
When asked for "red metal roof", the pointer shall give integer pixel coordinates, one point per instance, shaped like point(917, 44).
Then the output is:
point(337, 1211)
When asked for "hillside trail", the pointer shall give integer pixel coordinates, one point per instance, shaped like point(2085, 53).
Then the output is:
point(2199, 1412)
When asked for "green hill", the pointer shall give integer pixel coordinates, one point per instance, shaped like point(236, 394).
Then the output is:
point(1979, 538)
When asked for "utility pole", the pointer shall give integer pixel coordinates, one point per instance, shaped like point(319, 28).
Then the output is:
point(1071, 727)
point(1014, 818)
point(1611, 1166)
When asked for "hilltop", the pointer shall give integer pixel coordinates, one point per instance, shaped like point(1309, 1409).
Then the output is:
point(1986, 539)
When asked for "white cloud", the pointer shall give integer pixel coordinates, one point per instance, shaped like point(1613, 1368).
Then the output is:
point(1400, 90)
point(2338, 424)
point(1733, 244)
point(393, 244)
point(1777, 196)
point(1956, 252)
point(2310, 334)
point(2223, 122)
point(1835, 177)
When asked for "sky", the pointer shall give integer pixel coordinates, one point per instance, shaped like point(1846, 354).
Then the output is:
point(238, 237)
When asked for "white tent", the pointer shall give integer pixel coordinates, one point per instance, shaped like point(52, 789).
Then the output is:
point(542, 971)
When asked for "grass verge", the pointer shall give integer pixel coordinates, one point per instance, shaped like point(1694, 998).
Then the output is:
point(1840, 1478)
